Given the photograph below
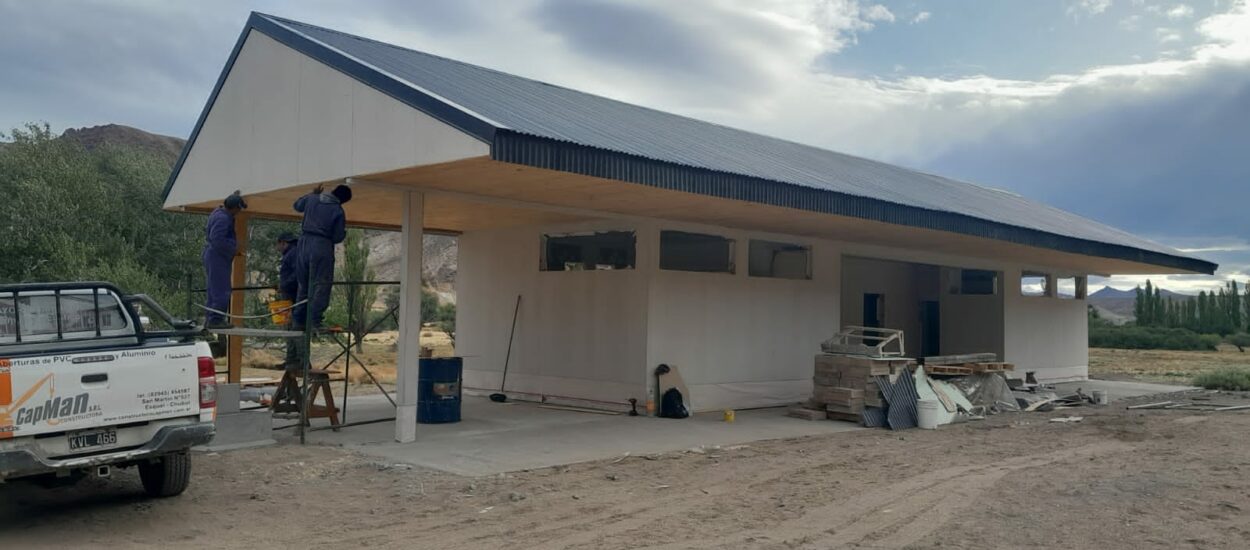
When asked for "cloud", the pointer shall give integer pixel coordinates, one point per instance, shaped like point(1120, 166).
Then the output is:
point(1180, 11)
point(877, 12)
point(1130, 23)
point(1089, 7)
point(921, 17)
point(1135, 133)
point(1165, 35)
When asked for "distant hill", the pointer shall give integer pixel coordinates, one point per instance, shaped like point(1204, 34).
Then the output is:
point(1116, 305)
point(167, 147)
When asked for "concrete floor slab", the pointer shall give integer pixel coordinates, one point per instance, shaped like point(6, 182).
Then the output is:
point(494, 438)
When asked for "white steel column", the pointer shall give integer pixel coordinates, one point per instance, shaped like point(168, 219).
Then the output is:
point(409, 317)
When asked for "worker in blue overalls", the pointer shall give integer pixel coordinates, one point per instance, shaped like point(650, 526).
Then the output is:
point(220, 248)
point(288, 288)
point(324, 226)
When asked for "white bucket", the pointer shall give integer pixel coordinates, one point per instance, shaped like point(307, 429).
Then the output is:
point(927, 413)
point(1100, 397)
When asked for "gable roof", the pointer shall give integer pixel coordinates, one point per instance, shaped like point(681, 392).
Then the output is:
point(538, 124)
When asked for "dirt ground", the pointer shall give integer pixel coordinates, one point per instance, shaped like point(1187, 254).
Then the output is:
point(1118, 479)
point(1162, 366)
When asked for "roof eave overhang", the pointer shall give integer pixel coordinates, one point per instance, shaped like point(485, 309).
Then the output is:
point(541, 152)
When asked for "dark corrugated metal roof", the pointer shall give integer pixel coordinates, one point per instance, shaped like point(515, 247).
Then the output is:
point(534, 123)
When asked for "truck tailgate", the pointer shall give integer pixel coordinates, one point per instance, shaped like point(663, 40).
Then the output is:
point(67, 392)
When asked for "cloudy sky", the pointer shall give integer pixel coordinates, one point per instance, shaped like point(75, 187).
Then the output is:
point(1135, 113)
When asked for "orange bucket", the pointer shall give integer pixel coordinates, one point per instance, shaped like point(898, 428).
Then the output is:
point(279, 312)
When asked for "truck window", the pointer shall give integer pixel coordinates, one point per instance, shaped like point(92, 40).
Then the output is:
point(36, 316)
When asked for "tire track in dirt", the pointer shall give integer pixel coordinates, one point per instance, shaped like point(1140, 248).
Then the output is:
point(597, 515)
point(900, 514)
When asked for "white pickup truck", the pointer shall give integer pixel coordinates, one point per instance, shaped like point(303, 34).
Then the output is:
point(85, 387)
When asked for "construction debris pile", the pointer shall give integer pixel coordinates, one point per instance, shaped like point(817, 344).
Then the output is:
point(867, 383)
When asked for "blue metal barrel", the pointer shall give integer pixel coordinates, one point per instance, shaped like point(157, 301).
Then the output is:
point(438, 390)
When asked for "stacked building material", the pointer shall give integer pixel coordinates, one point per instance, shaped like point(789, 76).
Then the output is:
point(843, 385)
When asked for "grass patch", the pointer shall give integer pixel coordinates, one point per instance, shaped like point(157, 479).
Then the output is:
point(1224, 378)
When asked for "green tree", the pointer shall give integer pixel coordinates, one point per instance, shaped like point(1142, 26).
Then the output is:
point(1234, 308)
point(73, 214)
point(1139, 305)
point(1245, 305)
point(351, 305)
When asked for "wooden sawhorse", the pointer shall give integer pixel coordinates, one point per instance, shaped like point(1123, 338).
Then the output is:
point(288, 397)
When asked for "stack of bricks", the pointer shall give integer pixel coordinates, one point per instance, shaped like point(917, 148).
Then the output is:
point(843, 384)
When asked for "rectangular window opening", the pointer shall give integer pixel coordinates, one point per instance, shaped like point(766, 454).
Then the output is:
point(1070, 288)
point(978, 282)
point(1033, 283)
point(779, 260)
point(604, 250)
point(681, 251)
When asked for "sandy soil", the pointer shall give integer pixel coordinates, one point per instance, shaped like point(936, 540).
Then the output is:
point(1119, 479)
point(1162, 366)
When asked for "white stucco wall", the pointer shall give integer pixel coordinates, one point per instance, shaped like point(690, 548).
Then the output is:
point(283, 119)
point(579, 334)
point(742, 341)
point(738, 341)
point(1045, 334)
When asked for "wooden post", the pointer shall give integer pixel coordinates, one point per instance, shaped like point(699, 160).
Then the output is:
point(238, 278)
point(409, 318)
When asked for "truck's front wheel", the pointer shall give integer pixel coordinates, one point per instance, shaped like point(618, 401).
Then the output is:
point(168, 476)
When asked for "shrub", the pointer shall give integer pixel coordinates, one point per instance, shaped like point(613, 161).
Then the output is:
point(1241, 340)
point(1133, 337)
point(1224, 378)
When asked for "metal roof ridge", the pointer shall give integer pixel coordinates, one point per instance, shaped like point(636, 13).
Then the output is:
point(285, 23)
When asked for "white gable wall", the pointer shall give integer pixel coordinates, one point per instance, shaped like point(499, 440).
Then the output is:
point(283, 119)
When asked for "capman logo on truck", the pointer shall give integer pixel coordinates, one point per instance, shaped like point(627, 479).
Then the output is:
point(53, 410)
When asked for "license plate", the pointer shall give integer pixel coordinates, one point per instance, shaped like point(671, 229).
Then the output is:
point(96, 438)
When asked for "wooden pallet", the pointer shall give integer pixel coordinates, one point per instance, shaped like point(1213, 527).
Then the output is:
point(947, 370)
point(960, 359)
point(990, 367)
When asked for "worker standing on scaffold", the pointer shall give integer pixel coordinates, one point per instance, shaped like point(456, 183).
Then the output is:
point(288, 288)
point(324, 226)
point(220, 248)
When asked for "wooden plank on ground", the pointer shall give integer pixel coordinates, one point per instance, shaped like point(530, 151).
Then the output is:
point(847, 417)
point(799, 411)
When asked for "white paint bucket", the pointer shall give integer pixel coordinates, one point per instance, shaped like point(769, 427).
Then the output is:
point(927, 413)
point(1100, 397)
